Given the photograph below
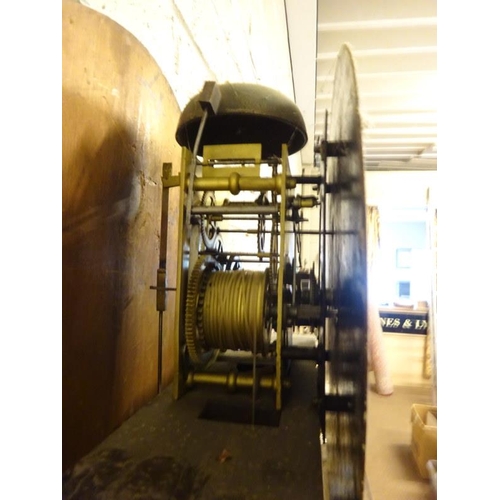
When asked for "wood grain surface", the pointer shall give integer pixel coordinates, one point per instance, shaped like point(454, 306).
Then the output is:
point(119, 120)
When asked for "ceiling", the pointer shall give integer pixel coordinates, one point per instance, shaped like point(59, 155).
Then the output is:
point(394, 45)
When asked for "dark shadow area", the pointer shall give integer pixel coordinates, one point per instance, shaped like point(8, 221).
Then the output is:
point(241, 412)
point(115, 474)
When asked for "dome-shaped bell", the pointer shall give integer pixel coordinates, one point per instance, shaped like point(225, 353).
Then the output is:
point(248, 113)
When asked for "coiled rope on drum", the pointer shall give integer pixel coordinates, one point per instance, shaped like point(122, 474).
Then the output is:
point(233, 311)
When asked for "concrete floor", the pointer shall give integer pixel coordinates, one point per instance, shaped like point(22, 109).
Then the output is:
point(391, 470)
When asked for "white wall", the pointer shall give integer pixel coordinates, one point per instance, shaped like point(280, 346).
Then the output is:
point(223, 40)
point(387, 190)
point(399, 189)
point(406, 359)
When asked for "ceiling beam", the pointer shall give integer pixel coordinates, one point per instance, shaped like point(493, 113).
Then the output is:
point(378, 24)
point(327, 56)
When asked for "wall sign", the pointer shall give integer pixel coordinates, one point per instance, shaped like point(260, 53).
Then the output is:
point(404, 322)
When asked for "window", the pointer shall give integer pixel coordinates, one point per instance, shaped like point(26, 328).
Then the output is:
point(403, 270)
point(404, 289)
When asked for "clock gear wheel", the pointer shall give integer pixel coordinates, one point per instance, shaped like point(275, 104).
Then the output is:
point(197, 349)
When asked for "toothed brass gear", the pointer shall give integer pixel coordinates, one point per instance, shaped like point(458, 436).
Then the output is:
point(193, 326)
point(208, 227)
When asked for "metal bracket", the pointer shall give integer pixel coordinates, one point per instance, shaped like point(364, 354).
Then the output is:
point(328, 149)
point(168, 180)
point(210, 97)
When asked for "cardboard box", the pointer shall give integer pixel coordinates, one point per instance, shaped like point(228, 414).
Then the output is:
point(424, 436)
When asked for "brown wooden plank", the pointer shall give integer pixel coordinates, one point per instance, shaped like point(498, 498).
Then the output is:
point(119, 119)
